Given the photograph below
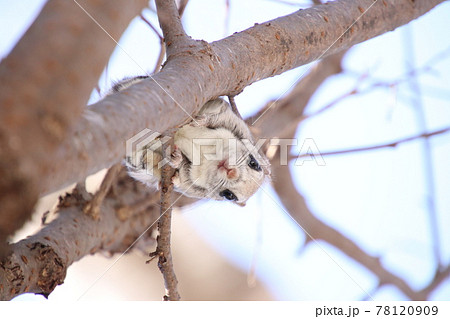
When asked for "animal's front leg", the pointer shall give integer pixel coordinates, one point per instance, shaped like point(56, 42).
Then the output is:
point(176, 158)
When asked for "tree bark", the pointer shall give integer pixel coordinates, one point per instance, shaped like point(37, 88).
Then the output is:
point(225, 67)
point(45, 83)
point(39, 263)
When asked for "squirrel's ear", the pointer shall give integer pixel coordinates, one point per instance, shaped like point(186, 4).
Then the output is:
point(241, 204)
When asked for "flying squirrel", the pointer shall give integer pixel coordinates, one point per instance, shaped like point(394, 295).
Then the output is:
point(214, 155)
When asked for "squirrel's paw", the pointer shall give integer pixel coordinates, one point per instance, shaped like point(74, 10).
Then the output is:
point(200, 120)
point(176, 157)
point(176, 179)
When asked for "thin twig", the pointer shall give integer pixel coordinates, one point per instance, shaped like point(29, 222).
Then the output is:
point(163, 251)
point(162, 50)
point(159, 61)
point(92, 208)
point(370, 88)
point(375, 147)
point(143, 18)
point(233, 106)
point(425, 68)
point(331, 104)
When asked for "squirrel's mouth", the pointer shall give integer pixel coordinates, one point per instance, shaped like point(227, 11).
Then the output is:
point(222, 165)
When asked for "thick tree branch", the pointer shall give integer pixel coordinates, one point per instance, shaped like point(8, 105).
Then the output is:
point(39, 263)
point(45, 83)
point(190, 79)
point(169, 19)
point(67, 235)
point(175, 37)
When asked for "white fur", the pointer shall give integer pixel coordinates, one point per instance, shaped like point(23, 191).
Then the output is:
point(198, 174)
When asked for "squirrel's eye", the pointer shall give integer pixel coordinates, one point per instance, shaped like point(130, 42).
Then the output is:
point(253, 163)
point(229, 195)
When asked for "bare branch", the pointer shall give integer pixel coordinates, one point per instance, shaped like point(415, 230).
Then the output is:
point(233, 106)
point(316, 229)
point(189, 80)
point(39, 263)
point(296, 205)
point(162, 50)
point(320, 231)
point(169, 19)
point(175, 37)
point(380, 84)
point(439, 277)
point(163, 250)
point(92, 208)
point(160, 59)
point(143, 18)
point(40, 96)
point(375, 147)
point(290, 109)
point(331, 104)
